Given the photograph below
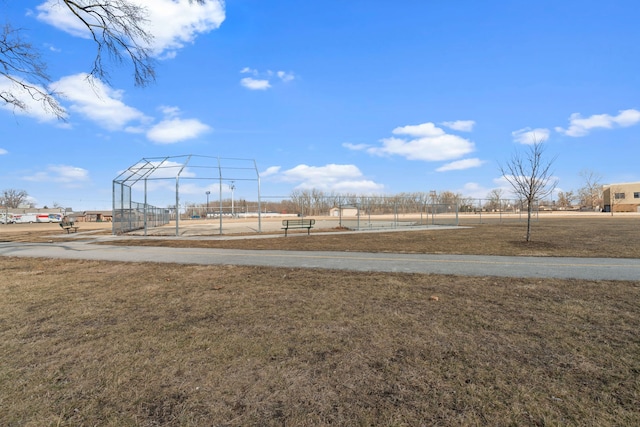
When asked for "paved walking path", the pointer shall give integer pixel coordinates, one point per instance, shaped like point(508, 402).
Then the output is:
point(468, 265)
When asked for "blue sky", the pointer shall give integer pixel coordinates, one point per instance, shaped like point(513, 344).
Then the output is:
point(358, 96)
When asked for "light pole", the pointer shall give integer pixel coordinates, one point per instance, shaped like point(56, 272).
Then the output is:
point(232, 187)
point(206, 215)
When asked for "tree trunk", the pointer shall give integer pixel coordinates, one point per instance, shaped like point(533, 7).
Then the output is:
point(528, 222)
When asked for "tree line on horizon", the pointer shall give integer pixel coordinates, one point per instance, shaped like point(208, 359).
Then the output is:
point(319, 201)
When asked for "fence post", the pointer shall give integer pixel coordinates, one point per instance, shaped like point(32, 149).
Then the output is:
point(395, 213)
point(457, 210)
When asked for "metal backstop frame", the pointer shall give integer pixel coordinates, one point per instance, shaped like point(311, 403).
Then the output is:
point(129, 215)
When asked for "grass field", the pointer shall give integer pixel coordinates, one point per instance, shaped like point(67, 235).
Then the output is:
point(605, 236)
point(100, 343)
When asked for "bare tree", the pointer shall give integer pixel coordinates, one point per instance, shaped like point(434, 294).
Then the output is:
point(590, 194)
point(465, 204)
point(12, 198)
point(530, 176)
point(117, 27)
point(448, 198)
point(302, 201)
point(494, 199)
point(565, 199)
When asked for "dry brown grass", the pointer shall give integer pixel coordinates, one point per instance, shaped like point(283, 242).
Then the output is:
point(98, 343)
point(132, 344)
point(606, 236)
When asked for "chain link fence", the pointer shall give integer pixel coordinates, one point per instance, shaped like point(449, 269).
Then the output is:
point(502, 210)
point(337, 212)
point(129, 215)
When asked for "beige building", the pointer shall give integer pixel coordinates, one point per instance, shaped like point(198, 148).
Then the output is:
point(623, 197)
point(344, 211)
point(94, 216)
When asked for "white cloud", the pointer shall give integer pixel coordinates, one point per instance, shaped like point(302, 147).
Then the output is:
point(52, 48)
point(460, 165)
point(422, 130)
point(174, 130)
point(355, 186)
point(64, 174)
point(424, 142)
point(162, 176)
point(315, 173)
point(3, 151)
point(627, 118)
point(173, 23)
point(57, 15)
point(195, 188)
point(502, 182)
point(272, 170)
point(263, 80)
point(92, 99)
point(96, 101)
point(530, 136)
point(507, 189)
point(473, 190)
point(285, 77)
point(460, 125)
point(580, 126)
point(332, 177)
point(169, 111)
point(355, 147)
point(255, 84)
point(68, 174)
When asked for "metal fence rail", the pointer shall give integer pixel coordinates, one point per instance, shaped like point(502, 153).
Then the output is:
point(364, 218)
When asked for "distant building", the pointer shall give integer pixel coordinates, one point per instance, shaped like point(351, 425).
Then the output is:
point(344, 211)
point(94, 216)
point(622, 197)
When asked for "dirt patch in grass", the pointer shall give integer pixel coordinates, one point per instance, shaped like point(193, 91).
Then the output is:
point(45, 232)
point(101, 343)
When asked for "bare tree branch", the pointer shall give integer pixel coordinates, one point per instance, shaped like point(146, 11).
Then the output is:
point(590, 193)
point(20, 63)
point(117, 28)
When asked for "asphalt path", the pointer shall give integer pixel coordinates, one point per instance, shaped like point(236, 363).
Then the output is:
point(466, 265)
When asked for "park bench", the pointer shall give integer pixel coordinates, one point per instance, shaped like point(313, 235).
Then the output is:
point(69, 227)
point(298, 223)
